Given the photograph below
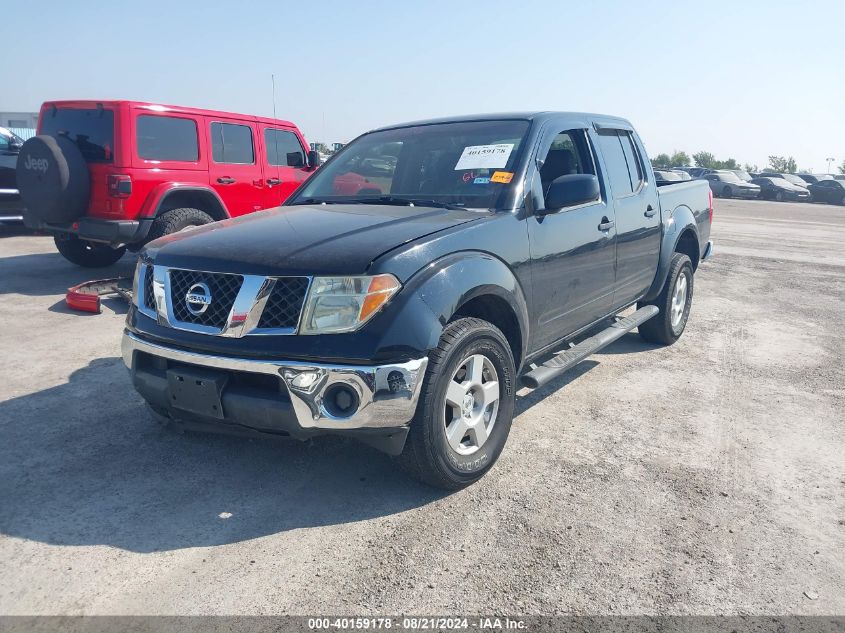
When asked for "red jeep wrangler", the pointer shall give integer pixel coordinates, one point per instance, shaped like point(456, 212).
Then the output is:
point(104, 176)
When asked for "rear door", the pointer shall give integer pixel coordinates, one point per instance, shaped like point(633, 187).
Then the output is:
point(637, 214)
point(234, 170)
point(284, 163)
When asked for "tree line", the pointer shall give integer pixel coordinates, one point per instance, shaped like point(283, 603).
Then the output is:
point(779, 164)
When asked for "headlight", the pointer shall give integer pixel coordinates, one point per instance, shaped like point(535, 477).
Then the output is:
point(136, 282)
point(343, 304)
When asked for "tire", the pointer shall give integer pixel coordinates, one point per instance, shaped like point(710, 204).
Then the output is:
point(87, 254)
point(669, 324)
point(177, 220)
point(727, 193)
point(429, 455)
point(53, 179)
point(842, 200)
point(779, 196)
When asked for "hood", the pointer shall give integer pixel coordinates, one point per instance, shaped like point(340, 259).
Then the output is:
point(304, 240)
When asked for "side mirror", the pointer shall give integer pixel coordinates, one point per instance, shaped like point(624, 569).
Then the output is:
point(15, 145)
point(571, 190)
point(314, 159)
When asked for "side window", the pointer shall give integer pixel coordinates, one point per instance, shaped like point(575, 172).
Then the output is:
point(283, 148)
point(615, 162)
point(632, 157)
point(569, 153)
point(4, 142)
point(231, 143)
point(166, 138)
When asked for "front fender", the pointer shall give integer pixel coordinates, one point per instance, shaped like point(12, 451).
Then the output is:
point(451, 282)
point(680, 220)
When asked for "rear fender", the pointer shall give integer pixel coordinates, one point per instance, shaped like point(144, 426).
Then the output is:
point(159, 199)
point(680, 221)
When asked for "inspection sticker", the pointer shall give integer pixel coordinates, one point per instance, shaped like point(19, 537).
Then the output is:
point(502, 176)
point(481, 180)
point(484, 156)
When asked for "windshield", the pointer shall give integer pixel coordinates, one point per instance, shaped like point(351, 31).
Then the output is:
point(743, 175)
point(729, 177)
point(795, 180)
point(91, 129)
point(466, 164)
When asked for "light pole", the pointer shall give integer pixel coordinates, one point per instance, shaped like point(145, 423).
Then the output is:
point(829, 161)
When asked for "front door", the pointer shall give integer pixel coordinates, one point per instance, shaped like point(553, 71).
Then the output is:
point(284, 166)
point(637, 207)
point(234, 171)
point(573, 250)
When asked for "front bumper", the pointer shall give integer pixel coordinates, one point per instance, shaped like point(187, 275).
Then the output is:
point(297, 403)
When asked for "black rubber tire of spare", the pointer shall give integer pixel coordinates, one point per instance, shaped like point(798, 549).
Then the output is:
point(177, 220)
point(87, 254)
point(53, 179)
point(427, 455)
point(659, 329)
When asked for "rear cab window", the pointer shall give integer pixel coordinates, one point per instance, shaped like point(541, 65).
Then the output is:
point(91, 129)
point(166, 138)
point(615, 162)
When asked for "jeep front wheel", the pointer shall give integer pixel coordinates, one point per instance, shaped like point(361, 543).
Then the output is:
point(466, 407)
point(87, 254)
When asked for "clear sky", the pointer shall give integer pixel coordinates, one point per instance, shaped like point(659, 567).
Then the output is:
point(738, 79)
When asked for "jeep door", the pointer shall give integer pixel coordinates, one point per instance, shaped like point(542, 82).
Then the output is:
point(284, 163)
point(573, 250)
point(637, 208)
point(234, 170)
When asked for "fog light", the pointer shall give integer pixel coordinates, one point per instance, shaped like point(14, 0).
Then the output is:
point(305, 379)
point(340, 401)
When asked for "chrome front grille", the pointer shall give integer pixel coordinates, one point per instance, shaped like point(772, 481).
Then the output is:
point(223, 290)
point(221, 304)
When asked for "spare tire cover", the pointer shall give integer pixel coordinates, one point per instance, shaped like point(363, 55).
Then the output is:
point(53, 179)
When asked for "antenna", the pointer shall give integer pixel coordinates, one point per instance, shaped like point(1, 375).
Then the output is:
point(273, 80)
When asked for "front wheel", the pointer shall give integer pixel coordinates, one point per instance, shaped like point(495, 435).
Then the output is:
point(727, 193)
point(466, 407)
point(674, 302)
point(779, 196)
point(87, 254)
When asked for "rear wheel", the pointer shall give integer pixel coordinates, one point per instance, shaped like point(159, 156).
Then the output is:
point(674, 302)
point(779, 196)
point(87, 254)
point(177, 220)
point(466, 407)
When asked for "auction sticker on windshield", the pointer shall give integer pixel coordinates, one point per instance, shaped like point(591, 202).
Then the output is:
point(484, 156)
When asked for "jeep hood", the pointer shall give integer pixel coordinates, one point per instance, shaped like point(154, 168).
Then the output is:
point(304, 240)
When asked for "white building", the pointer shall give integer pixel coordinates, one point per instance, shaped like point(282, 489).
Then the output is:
point(19, 119)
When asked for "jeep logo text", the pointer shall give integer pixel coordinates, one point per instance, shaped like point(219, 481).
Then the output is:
point(36, 164)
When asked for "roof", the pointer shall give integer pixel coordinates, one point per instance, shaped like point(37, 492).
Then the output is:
point(159, 107)
point(538, 116)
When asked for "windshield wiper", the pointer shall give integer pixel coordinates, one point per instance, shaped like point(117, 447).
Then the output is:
point(411, 202)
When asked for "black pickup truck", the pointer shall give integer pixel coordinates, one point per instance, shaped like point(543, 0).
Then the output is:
point(407, 289)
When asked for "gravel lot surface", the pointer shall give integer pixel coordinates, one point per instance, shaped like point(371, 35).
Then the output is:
point(704, 478)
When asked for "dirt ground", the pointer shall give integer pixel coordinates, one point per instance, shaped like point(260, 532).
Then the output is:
point(703, 478)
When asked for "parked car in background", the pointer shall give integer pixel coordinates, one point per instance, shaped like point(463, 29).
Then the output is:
point(666, 175)
point(726, 184)
point(839, 177)
point(792, 178)
point(11, 206)
point(813, 178)
point(137, 171)
point(694, 172)
point(772, 188)
point(684, 175)
point(742, 174)
point(831, 191)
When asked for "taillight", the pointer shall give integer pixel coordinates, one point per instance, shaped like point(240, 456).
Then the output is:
point(120, 185)
point(710, 206)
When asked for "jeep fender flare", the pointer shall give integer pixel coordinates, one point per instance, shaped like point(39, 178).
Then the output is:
point(675, 226)
point(157, 198)
point(452, 282)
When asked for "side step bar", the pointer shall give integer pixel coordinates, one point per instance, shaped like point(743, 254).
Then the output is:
point(564, 361)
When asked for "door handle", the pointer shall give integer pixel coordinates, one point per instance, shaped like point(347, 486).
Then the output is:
point(225, 180)
point(649, 212)
point(274, 181)
point(606, 224)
